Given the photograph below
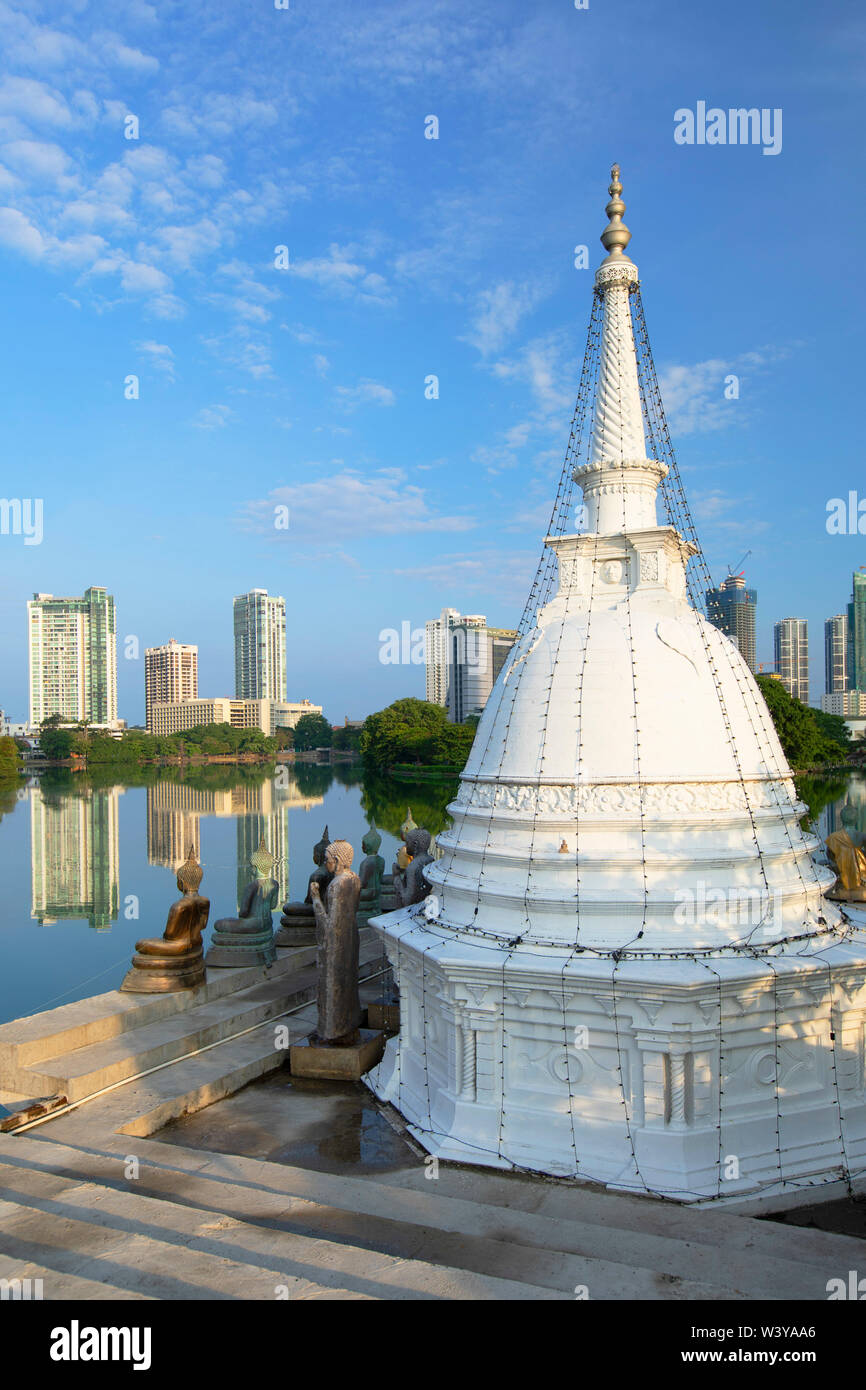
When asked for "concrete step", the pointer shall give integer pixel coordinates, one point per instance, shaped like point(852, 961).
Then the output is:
point(57, 1286)
point(24, 1042)
point(89, 1069)
point(85, 1069)
point(134, 1238)
point(194, 1082)
point(736, 1256)
point(470, 1235)
point(712, 1226)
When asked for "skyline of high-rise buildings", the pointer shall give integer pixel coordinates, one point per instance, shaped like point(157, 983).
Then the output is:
point(73, 657)
point(260, 646)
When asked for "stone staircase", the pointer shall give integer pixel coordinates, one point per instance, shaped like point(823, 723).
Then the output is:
point(194, 1224)
point(198, 1045)
point(198, 1225)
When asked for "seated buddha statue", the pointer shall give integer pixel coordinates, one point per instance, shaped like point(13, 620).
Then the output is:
point(388, 896)
point(298, 922)
point(370, 874)
point(410, 885)
point(849, 861)
point(174, 960)
point(248, 939)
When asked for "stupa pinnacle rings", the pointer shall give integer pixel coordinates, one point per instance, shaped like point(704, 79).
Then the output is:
point(616, 235)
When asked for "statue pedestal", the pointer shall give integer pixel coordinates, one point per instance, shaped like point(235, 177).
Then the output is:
point(302, 935)
point(164, 974)
point(231, 947)
point(309, 1058)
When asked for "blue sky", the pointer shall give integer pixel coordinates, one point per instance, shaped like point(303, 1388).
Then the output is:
point(408, 257)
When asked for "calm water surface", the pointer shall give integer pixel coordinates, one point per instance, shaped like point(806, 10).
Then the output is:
point(87, 864)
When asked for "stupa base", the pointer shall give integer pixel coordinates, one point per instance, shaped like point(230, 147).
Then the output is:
point(729, 1076)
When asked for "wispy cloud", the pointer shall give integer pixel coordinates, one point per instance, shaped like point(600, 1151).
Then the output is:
point(498, 312)
point(356, 506)
point(161, 356)
point(213, 417)
point(365, 393)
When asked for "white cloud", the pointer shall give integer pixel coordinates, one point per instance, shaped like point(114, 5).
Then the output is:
point(34, 102)
point(493, 574)
point(339, 272)
point(114, 50)
point(213, 417)
point(161, 356)
point(19, 234)
point(355, 505)
point(552, 380)
point(365, 393)
point(36, 157)
point(499, 311)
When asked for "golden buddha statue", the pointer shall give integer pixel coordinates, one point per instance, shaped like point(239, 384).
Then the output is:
point(849, 861)
point(175, 960)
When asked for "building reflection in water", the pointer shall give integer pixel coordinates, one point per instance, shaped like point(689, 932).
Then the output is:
point(847, 811)
point(175, 811)
point(74, 862)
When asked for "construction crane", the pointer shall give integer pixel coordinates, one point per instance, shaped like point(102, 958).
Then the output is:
point(742, 562)
point(731, 572)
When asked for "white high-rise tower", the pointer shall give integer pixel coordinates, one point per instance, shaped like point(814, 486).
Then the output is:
point(627, 969)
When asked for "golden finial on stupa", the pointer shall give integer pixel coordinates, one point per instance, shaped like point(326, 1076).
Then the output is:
point(616, 235)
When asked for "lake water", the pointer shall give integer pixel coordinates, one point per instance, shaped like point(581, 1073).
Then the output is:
point(87, 864)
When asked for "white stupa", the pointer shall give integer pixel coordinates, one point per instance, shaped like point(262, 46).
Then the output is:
point(627, 970)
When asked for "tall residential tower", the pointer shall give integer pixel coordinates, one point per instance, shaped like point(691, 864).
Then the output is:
point(170, 676)
point(73, 658)
point(791, 647)
point(732, 609)
point(836, 654)
point(260, 646)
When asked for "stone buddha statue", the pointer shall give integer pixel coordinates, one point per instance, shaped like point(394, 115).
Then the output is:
point(248, 939)
point(410, 885)
point(370, 875)
point(849, 861)
point(298, 923)
point(388, 897)
point(175, 960)
point(339, 1005)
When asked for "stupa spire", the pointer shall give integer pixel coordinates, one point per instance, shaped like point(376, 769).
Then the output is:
point(619, 482)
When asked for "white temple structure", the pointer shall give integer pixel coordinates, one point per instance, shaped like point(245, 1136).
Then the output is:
point(627, 970)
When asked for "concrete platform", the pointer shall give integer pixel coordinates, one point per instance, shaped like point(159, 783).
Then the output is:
point(349, 1063)
point(297, 1189)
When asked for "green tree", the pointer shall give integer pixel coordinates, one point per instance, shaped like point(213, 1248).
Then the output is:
point(55, 743)
point(347, 739)
point(9, 761)
point(415, 731)
point(312, 731)
point(807, 736)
